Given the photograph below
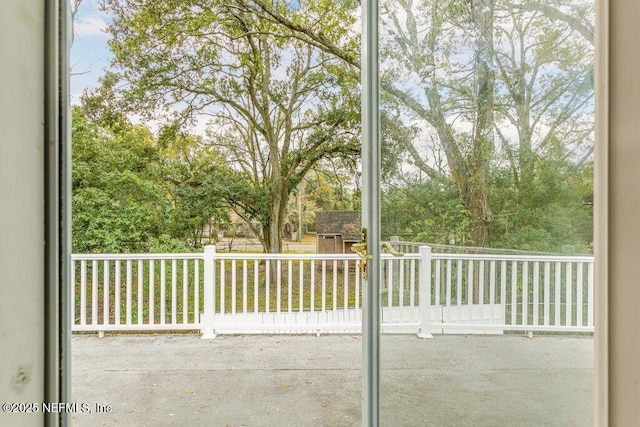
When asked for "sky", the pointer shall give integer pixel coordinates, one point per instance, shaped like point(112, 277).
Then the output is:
point(90, 53)
point(91, 57)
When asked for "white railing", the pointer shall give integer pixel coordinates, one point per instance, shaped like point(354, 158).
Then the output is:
point(316, 293)
point(513, 292)
point(281, 293)
point(136, 292)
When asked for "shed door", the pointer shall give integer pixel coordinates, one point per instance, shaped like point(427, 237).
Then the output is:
point(328, 244)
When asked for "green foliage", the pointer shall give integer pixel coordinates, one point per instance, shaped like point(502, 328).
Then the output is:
point(425, 211)
point(550, 213)
point(133, 194)
point(331, 189)
point(118, 202)
point(192, 169)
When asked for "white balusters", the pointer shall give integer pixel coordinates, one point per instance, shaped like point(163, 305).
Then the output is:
point(105, 292)
point(140, 291)
point(335, 285)
point(536, 293)
point(222, 286)
point(196, 296)
point(579, 288)
point(256, 287)
point(163, 292)
point(152, 301)
point(83, 292)
point(301, 281)
point(185, 291)
point(118, 286)
point(244, 287)
point(547, 292)
point(492, 287)
point(94, 292)
point(324, 285)
point(128, 293)
point(558, 289)
point(233, 286)
point(470, 292)
point(525, 293)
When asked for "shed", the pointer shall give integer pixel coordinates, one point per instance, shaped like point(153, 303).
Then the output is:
point(337, 231)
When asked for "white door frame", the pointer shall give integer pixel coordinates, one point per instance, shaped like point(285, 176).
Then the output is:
point(371, 215)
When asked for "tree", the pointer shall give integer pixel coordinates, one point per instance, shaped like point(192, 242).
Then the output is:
point(546, 90)
point(579, 15)
point(554, 215)
point(485, 84)
point(466, 75)
point(278, 105)
point(469, 153)
point(457, 105)
point(75, 6)
point(134, 192)
point(197, 208)
point(118, 201)
point(426, 211)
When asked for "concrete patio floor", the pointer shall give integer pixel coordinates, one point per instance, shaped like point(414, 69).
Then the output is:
point(181, 380)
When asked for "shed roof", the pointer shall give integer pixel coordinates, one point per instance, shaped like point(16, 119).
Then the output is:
point(345, 223)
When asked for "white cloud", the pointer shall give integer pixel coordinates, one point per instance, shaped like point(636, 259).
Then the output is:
point(90, 26)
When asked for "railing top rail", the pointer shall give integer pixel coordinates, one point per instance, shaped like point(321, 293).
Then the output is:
point(479, 250)
point(227, 256)
point(125, 257)
point(317, 257)
point(492, 257)
point(326, 257)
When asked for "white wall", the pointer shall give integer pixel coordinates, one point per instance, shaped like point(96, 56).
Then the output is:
point(21, 206)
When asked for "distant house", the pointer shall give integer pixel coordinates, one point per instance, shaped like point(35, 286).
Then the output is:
point(337, 231)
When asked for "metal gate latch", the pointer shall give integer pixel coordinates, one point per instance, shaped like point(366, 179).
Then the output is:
point(361, 250)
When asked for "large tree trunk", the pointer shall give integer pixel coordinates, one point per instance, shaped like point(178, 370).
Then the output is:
point(275, 236)
point(272, 231)
point(482, 149)
point(471, 172)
